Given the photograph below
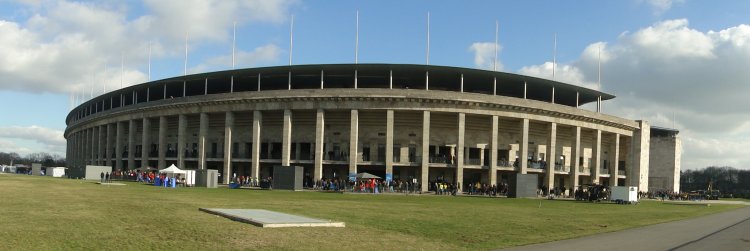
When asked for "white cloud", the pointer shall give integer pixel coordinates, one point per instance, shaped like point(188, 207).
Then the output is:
point(206, 19)
point(50, 140)
point(484, 55)
point(10, 146)
point(64, 46)
point(262, 55)
point(661, 6)
point(563, 73)
point(669, 73)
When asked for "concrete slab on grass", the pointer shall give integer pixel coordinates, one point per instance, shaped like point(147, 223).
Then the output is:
point(265, 218)
point(110, 184)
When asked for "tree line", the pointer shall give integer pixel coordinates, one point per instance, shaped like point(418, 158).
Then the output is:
point(730, 181)
point(47, 159)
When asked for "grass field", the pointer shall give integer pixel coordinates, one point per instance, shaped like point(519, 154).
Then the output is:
point(40, 213)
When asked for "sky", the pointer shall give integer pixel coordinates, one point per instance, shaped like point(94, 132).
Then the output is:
point(676, 63)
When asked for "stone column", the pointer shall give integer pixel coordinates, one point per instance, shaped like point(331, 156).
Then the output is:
point(597, 158)
point(493, 151)
point(108, 146)
point(181, 138)
point(641, 145)
point(481, 154)
point(131, 144)
point(576, 156)
point(84, 145)
point(68, 144)
point(92, 146)
point(118, 144)
point(74, 152)
point(551, 156)
point(162, 162)
point(145, 142)
point(460, 151)
point(257, 122)
point(202, 132)
point(389, 144)
point(524, 156)
point(81, 144)
point(319, 151)
point(286, 138)
point(616, 162)
point(100, 149)
point(353, 141)
point(425, 150)
point(228, 128)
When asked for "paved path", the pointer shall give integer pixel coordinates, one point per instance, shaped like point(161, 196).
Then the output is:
point(722, 231)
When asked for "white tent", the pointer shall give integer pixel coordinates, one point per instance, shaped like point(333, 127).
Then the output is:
point(189, 175)
point(172, 170)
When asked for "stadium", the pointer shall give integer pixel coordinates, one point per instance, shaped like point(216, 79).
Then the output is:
point(410, 122)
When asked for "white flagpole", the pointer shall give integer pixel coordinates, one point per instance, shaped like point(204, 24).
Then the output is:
point(554, 56)
point(186, 52)
point(494, 64)
point(122, 67)
point(234, 41)
point(356, 42)
point(291, 39)
point(428, 38)
point(93, 82)
point(149, 60)
point(104, 81)
point(599, 81)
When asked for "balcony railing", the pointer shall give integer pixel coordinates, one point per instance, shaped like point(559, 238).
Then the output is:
point(474, 162)
point(561, 168)
point(621, 172)
point(440, 160)
point(415, 159)
point(504, 163)
point(537, 164)
point(583, 169)
point(603, 171)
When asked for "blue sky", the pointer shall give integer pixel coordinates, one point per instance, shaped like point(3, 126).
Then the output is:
point(671, 62)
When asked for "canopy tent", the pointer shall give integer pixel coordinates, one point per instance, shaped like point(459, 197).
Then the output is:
point(172, 170)
point(367, 176)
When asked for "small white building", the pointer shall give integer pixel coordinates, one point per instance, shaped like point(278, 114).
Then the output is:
point(55, 171)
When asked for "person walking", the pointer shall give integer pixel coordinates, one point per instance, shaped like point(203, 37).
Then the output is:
point(102, 177)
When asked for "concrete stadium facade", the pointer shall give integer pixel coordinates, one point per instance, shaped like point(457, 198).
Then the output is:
point(400, 121)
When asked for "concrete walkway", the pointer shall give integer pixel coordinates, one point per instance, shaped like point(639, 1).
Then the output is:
point(722, 231)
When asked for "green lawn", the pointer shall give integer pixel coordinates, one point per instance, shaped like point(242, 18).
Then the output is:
point(40, 213)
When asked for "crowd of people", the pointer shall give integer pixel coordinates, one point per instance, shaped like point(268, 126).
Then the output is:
point(478, 188)
point(367, 185)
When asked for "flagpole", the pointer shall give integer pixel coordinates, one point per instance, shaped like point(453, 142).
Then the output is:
point(428, 38)
point(554, 56)
point(234, 41)
point(104, 81)
point(149, 60)
point(291, 39)
point(122, 67)
point(494, 64)
point(356, 42)
point(599, 81)
point(186, 53)
point(93, 82)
